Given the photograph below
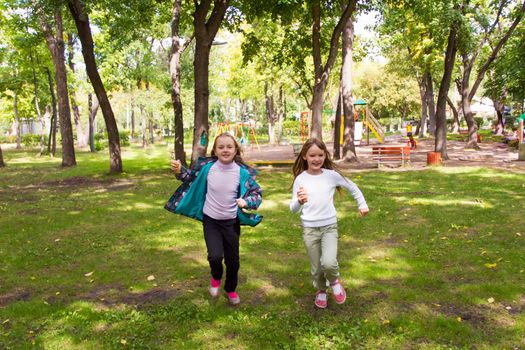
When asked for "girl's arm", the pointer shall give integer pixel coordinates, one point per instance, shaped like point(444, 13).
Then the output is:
point(295, 206)
point(353, 190)
point(253, 196)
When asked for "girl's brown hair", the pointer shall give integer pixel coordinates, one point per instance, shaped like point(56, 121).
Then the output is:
point(301, 164)
point(238, 151)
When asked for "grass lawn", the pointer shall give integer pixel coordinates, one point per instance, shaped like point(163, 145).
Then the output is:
point(92, 261)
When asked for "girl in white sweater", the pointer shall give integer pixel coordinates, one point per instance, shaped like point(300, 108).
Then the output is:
point(315, 181)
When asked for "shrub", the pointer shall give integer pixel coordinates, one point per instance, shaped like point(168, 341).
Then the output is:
point(124, 137)
point(31, 140)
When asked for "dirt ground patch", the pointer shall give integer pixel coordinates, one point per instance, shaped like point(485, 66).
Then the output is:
point(490, 154)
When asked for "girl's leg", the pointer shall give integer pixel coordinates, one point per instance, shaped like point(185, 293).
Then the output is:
point(231, 231)
point(312, 242)
point(213, 238)
point(329, 262)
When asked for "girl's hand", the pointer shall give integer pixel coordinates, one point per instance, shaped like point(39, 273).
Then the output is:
point(363, 212)
point(176, 166)
point(241, 203)
point(302, 195)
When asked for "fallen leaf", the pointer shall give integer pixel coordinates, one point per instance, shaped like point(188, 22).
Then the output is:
point(508, 308)
point(89, 273)
point(491, 266)
point(123, 341)
point(386, 321)
point(518, 234)
point(490, 300)
point(5, 321)
point(459, 319)
point(151, 278)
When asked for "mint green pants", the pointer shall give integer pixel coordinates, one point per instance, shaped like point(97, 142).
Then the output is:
point(321, 246)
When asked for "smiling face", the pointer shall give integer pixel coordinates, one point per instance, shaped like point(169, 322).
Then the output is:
point(225, 149)
point(315, 158)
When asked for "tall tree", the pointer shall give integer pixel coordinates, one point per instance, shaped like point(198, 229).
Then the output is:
point(349, 153)
point(81, 19)
point(205, 29)
point(2, 163)
point(81, 140)
point(441, 116)
point(55, 43)
point(495, 32)
point(322, 71)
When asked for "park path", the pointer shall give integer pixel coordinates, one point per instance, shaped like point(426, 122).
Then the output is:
point(491, 154)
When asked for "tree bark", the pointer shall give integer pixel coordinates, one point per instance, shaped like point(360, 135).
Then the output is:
point(17, 122)
point(499, 106)
point(430, 104)
point(322, 73)
point(52, 142)
point(455, 112)
point(2, 163)
point(84, 32)
point(56, 47)
point(175, 73)
point(349, 153)
point(337, 129)
point(280, 113)
point(441, 116)
point(93, 109)
point(81, 140)
point(205, 31)
point(37, 105)
point(270, 112)
point(422, 130)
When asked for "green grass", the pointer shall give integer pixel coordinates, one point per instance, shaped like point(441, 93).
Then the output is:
point(438, 264)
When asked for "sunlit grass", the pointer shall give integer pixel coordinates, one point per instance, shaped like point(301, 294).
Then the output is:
point(93, 261)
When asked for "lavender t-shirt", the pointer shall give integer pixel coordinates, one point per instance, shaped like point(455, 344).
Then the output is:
point(223, 189)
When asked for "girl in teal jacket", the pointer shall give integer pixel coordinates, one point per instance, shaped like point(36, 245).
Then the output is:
point(216, 191)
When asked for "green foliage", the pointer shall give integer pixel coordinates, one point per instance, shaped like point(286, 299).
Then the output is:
point(124, 137)
point(32, 140)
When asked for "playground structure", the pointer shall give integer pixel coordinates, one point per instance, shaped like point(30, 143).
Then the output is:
point(242, 131)
point(364, 122)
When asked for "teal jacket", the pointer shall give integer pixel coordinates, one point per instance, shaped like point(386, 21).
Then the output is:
point(189, 198)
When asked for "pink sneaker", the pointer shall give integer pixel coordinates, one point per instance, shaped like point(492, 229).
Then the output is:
point(214, 287)
point(233, 298)
point(339, 292)
point(321, 300)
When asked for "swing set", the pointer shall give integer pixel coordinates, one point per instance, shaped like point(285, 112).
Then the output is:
point(243, 132)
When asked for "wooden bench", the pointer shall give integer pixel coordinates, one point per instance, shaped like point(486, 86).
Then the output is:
point(397, 154)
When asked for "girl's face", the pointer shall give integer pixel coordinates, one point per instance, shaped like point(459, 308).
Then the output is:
point(225, 149)
point(315, 158)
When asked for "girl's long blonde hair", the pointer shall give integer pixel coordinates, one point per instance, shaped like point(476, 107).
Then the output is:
point(301, 164)
point(238, 151)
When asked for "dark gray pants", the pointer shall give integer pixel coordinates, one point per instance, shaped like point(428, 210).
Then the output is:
point(222, 241)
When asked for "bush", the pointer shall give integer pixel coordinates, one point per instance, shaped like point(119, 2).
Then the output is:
point(124, 137)
point(99, 145)
point(479, 122)
point(32, 140)
point(292, 127)
point(8, 139)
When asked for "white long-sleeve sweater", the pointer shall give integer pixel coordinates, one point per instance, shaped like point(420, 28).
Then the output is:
point(319, 210)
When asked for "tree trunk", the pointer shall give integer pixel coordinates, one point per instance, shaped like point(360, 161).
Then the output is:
point(81, 141)
point(349, 153)
point(422, 130)
point(93, 109)
point(52, 142)
point(205, 31)
point(337, 128)
point(499, 106)
point(430, 104)
point(441, 115)
point(2, 163)
point(56, 47)
point(37, 106)
point(175, 73)
point(472, 141)
point(17, 122)
point(280, 113)
point(84, 32)
point(270, 112)
point(322, 73)
point(455, 123)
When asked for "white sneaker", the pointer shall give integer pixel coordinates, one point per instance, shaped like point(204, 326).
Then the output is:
point(214, 291)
